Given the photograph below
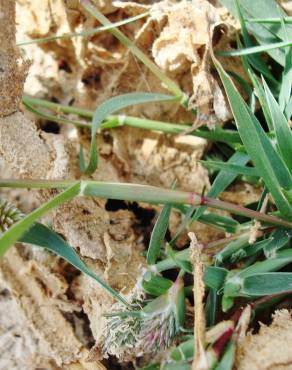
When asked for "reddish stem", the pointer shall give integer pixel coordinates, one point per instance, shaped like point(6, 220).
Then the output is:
point(221, 342)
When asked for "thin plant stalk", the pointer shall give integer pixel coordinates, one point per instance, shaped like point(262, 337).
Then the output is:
point(143, 193)
point(113, 121)
point(233, 208)
point(15, 232)
point(256, 49)
point(109, 107)
point(273, 20)
point(58, 108)
point(55, 118)
point(169, 83)
point(83, 33)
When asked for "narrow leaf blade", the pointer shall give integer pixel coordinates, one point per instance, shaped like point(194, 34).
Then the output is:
point(229, 167)
point(267, 284)
point(107, 108)
point(222, 180)
point(281, 127)
point(264, 33)
point(41, 236)
point(255, 49)
point(8, 238)
point(158, 234)
point(266, 160)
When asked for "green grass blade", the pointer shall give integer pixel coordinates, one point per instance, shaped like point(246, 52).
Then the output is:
point(155, 285)
point(138, 193)
point(254, 60)
point(221, 182)
point(227, 360)
point(279, 239)
point(224, 179)
point(214, 277)
point(11, 236)
point(158, 235)
point(267, 284)
point(279, 260)
point(243, 84)
point(211, 307)
point(260, 92)
point(264, 33)
point(257, 247)
point(286, 85)
point(108, 107)
point(182, 263)
point(234, 285)
point(227, 224)
point(57, 107)
point(231, 248)
point(41, 236)
point(266, 160)
point(83, 33)
point(53, 118)
point(288, 110)
point(112, 121)
point(240, 248)
point(142, 193)
point(281, 126)
point(151, 367)
point(274, 20)
point(185, 351)
point(233, 168)
point(179, 366)
point(255, 49)
point(288, 195)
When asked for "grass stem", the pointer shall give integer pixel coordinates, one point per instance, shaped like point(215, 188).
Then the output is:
point(233, 208)
point(113, 121)
point(143, 193)
point(85, 33)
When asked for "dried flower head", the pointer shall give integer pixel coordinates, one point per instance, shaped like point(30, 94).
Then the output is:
point(146, 331)
point(121, 335)
point(9, 215)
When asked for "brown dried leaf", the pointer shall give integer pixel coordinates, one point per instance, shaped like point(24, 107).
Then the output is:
point(182, 47)
point(186, 31)
point(287, 5)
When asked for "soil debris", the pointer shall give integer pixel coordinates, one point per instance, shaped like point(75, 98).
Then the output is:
point(13, 68)
point(182, 47)
point(270, 348)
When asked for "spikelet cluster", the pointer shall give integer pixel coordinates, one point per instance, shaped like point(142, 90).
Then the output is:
point(151, 330)
point(127, 336)
point(157, 332)
point(9, 215)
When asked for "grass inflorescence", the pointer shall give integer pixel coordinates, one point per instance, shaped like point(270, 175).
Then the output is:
point(9, 215)
point(245, 266)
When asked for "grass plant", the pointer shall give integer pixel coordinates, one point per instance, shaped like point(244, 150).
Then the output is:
point(259, 148)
